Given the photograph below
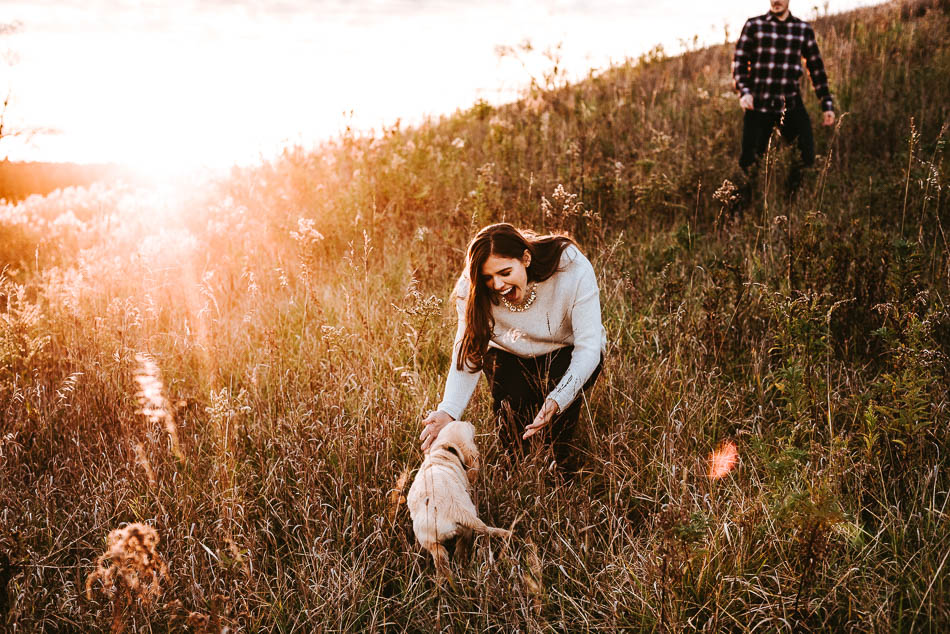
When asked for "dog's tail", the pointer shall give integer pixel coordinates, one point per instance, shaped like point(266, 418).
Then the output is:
point(441, 558)
point(498, 532)
point(481, 527)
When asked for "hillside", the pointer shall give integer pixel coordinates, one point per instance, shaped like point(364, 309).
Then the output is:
point(18, 180)
point(243, 366)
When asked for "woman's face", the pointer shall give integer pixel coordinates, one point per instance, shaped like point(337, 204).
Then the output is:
point(507, 277)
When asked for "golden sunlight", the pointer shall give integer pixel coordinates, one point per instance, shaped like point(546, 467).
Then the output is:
point(167, 88)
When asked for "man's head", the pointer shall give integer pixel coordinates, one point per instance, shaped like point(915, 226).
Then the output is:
point(779, 8)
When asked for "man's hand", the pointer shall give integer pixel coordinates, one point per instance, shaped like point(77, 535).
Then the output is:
point(433, 423)
point(543, 419)
point(828, 118)
point(747, 101)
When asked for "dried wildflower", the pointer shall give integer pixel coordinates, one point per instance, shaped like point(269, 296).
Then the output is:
point(723, 460)
point(727, 194)
point(306, 233)
point(333, 336)
point(308, 240)
point(661, 140)
point(180, 617)
point(251, 277)
point(565, 209)
point(486, 175)
point(226, 406)
point(282, 278)
point(131, 565)
point(418, 304)
point(618, 171)
point(420, 310)
point(200, 622)
point(154, 406)
point(234, 552)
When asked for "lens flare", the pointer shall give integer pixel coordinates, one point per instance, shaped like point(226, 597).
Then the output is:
point(723, 460)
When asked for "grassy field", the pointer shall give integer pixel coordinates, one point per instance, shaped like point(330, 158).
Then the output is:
point(243, 367)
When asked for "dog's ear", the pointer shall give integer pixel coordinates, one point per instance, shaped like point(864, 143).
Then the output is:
point(458, 452)
point(472, 461)
point(471, 471)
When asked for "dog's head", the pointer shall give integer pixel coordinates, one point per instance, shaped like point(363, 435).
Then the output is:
point(458, 437)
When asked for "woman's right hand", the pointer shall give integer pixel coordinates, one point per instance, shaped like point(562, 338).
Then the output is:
point(433, 423)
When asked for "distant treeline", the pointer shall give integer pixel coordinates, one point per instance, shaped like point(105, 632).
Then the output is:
point(21, 179)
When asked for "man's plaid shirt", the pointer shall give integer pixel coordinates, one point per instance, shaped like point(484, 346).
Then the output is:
point(768, 62)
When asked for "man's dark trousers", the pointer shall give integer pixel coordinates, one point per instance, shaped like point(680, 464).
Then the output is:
point(793, 124)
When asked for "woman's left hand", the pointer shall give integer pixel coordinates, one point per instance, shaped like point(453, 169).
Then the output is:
point(543, 419)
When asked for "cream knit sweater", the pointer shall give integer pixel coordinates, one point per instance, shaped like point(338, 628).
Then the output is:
point(565, 312)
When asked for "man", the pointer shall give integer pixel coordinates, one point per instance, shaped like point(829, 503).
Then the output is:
point(767, 67)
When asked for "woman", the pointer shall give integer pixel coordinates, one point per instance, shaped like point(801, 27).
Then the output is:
point(529, 316)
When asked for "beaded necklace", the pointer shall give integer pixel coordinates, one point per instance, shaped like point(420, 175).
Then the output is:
point(523, 306)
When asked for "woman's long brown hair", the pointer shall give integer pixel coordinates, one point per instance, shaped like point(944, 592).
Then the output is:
point(502, 240)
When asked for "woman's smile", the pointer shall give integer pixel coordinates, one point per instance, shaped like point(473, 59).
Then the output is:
point(510, 293)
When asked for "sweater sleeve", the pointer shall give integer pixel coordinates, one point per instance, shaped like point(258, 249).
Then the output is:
point(742, 60)
point(588, 335)
point(459, 384)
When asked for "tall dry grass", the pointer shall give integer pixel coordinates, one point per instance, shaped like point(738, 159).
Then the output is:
point(290, 322)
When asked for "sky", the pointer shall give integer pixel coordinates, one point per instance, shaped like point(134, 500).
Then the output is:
point(180, 84)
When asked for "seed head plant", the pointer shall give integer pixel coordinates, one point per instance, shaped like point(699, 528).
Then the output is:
point(129, 571)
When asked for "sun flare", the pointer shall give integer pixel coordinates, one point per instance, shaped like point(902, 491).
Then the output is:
point(723, 460)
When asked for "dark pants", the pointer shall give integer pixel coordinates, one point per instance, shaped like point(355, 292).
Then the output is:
point(793, 124)
point(519, 387)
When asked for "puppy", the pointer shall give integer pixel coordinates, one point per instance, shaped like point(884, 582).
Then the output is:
point(439, 501)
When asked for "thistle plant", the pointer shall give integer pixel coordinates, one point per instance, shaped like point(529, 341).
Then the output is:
point(129, 571)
